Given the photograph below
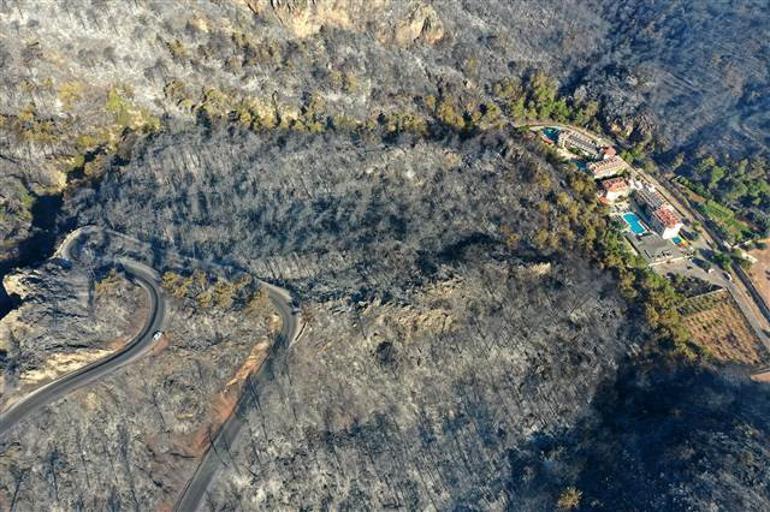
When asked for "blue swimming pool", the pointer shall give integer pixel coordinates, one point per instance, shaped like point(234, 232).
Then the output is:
point(634, 222)
point(551, 133)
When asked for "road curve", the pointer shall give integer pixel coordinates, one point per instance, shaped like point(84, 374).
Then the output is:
point(49, 393)
point(192, 495)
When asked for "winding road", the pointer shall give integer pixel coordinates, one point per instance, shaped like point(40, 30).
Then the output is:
point(195, 490)
point(136, 347)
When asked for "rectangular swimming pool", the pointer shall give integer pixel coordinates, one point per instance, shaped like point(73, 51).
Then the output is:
point(635, 223)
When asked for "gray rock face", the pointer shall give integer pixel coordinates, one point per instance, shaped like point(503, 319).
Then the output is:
point(63, 323)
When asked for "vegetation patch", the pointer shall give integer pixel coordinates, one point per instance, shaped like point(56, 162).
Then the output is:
point(109, 283)
point(206, 292)
point(726, 187)
point(725, 221)
point(722, 218)
point(720, 329)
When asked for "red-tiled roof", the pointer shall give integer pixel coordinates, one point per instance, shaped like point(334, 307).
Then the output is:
point(666, 216)
point(615, 185)
point(609, 151)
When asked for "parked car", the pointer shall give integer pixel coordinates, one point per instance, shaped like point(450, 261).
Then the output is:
point(157, 335)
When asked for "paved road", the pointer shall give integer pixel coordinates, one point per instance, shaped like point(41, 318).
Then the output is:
point(45, 395)
point(709, 240)
point(195, 490)
point(148, 279)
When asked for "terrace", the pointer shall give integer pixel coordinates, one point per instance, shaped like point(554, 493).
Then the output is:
point(654, 249)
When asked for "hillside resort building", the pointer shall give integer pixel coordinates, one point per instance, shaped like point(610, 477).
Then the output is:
point(649, 199)
point(663, 218)
point(665, 221)
point(607, 168)
point(614, 189)
point(573, 140)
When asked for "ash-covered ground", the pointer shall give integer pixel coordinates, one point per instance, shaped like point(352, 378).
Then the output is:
point(433, 346)
point(78, 75)
point(461, 350)
point(130, 440)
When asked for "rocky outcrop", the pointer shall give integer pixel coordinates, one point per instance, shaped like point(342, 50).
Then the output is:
point(18, 283)
point(63, 324)
point(304, 18)
point(423, 24)
point(400, 23)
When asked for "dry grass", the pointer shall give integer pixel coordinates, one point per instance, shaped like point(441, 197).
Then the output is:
point(718, 326)
point(109, 283)
point(760, 272)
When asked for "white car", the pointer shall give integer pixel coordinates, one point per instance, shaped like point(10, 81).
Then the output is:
point(157, 335)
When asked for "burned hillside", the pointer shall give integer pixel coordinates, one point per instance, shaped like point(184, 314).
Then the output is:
point(437, 266)
point(315, 210)
point(472, 333)
point(658, 438)
point(80, 77)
